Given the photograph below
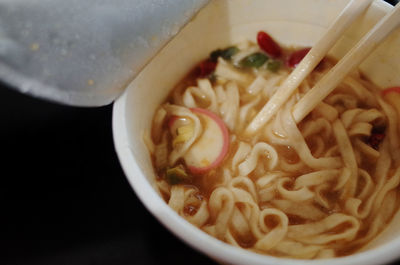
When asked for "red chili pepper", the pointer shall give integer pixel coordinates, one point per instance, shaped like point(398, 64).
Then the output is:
point(375, 139)
point(390, 89)
point(296, 57)
point(268, 44)
point(205, 68)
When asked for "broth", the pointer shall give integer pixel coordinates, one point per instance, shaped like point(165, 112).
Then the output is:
point(318, 189)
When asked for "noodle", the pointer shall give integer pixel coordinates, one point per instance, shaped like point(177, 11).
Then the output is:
point(318, 189)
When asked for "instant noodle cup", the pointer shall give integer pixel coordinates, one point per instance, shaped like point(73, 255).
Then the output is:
point(220, 24)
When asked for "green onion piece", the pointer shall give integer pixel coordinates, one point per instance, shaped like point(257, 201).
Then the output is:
point(229, 52)
point(255, 60)
point(273, 66)
point(226, 54)
point(176, 175)
point(215, 54)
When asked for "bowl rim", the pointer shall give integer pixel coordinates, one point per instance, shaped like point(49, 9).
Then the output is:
point(200, 240)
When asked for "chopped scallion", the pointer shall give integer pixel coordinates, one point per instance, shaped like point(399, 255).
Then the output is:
point(176, 175)
point(255, 60)
point(184, 133)
point(226, 54)
point(273, 66)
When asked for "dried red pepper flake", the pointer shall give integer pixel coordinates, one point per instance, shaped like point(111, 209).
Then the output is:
point(296, 57)
point(205, 68)
point(268, 45)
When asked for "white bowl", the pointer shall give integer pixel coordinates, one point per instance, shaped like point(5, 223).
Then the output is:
point(221, 23)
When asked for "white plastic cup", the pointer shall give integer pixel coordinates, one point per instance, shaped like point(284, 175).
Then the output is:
point(220, 24)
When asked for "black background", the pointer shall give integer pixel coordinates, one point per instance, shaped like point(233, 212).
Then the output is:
point(63, 196)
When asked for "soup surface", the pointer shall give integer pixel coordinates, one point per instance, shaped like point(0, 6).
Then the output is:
point(319, 188)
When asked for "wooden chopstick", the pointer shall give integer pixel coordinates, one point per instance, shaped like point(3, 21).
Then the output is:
point(348, 63)
point(353, 10)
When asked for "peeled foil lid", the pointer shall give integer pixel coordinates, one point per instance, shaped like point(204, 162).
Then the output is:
point(84, 52)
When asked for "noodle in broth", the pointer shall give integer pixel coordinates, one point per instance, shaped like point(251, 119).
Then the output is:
point(318, 189)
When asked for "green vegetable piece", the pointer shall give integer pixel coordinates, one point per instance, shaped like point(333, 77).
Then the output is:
point(226, 54)
point(176, 175)
point(255, 60)
point(215, 54)
point(229, 52)
point(273, 66)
